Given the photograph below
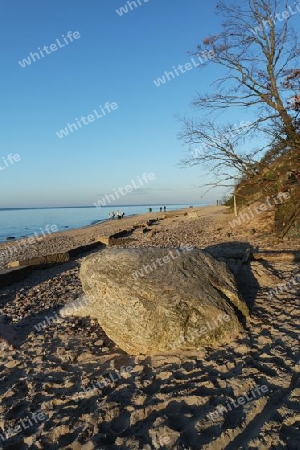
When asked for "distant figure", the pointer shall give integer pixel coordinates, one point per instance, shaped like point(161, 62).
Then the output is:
point(150, 209)
point(112, 215)
point(122, 214)
point(165, 208)
point(119, 215)
point(160, 209)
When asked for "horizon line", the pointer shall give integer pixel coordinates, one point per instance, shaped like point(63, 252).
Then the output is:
point(149, 205)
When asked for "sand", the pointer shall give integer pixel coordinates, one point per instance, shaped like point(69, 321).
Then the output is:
point(65, 385)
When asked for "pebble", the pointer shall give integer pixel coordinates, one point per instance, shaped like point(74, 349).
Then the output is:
point(88, 446)
point(52, 352)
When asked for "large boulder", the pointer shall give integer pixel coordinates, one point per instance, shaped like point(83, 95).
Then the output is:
point(152, 300)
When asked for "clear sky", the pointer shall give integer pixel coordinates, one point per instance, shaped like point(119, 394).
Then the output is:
point(114, 59)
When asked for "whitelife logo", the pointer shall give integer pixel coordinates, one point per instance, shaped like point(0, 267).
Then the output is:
point(124, 9)
point(281, 197)
point(13, 250)
point(284, 15)
point(242, 400)
point(109, 198)
point(36, 417)
point(87, 120)
point(53, 47)
point(168, 76)
point(161, 261)
point(11, 158)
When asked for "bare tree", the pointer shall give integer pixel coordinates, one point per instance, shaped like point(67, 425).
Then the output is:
point(217, 148)
point(258, 50)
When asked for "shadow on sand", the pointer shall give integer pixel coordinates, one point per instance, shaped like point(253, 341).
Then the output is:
point(166, 396)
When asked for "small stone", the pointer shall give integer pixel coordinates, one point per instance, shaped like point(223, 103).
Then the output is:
point(28, 440)
point(13, 264)
point(12, 364)
point(88, 446)
point(60, 350)
point(125, 374)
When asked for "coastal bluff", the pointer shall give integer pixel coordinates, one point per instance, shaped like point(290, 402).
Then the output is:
point(156, 300)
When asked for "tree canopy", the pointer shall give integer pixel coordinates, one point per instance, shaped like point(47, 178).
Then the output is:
point(258, 49)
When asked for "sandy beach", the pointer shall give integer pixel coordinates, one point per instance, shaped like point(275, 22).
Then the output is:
point(66, 385)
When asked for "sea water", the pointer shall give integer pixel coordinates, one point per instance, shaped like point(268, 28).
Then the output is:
point(24, 222)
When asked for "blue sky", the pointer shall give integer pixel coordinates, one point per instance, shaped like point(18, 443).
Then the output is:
point(115, 59)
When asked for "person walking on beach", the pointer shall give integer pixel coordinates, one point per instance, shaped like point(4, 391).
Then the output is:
point(165, 208)
point(112, 215)
point(119, 215)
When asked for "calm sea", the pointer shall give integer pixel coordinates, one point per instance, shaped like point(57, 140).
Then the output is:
point(25, 222)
